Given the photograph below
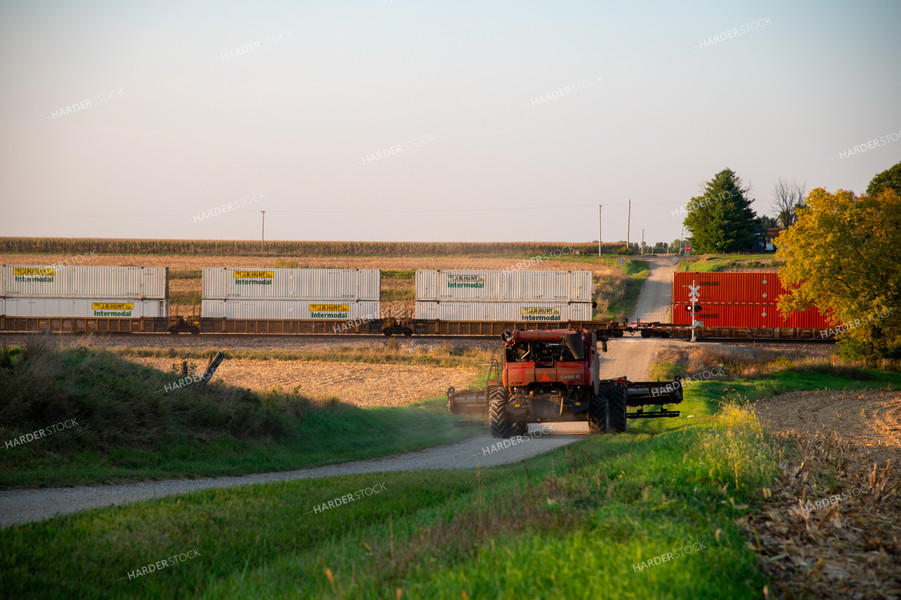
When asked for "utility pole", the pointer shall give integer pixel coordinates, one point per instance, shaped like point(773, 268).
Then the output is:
point(599, 230)
point(641, 251)
point(629, 227)
point(681, 241)
point(263, 232)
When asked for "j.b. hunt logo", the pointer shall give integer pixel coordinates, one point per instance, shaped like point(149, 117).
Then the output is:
point(34, 275)
point(540, 313)
point(465, 281)
point(113, 309)
point(254, 277)
point(329, 311)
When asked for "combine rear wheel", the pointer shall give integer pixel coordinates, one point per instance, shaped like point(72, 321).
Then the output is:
point(498, 420)
point(616, 407)
point(597, 414)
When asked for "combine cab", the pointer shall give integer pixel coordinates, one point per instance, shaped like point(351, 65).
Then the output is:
point(553, 375)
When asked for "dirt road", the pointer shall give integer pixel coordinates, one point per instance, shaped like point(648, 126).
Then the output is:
point(24, 506)
point(633, 356)
point(627, 356)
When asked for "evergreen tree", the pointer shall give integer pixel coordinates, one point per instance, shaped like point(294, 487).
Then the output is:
point(721, 220)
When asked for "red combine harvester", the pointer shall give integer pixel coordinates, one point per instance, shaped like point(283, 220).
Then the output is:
point(553, 375)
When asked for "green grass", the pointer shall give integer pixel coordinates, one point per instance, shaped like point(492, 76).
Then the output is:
point(188, 297)
point(408, 274)
point(617, 295)
point(397, 295)
point(715, 264)
point(568, 524)
point(576, 522)
point(129, 427)
point(827, 377)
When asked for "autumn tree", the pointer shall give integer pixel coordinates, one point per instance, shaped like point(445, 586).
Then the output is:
point(888, 179)
point(841, 255)
point(721, 220)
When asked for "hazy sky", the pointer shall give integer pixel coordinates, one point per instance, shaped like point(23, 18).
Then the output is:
point(288, 107)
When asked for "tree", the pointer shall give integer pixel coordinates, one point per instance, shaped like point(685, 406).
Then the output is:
point(675, 246)
point(841, 255)
point(888, 179)
point(721, 220)
point(787, 198)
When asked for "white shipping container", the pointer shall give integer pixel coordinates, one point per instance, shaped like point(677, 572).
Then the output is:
point(331, 310)
point(124, 308)
point(510, 312)
point(291, 284)
point(521, 286)
point(43, 281)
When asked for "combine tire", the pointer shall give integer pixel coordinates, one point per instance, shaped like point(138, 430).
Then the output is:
point(519, 428)
point(498, 420)
point(616, 406)
point(597, 414)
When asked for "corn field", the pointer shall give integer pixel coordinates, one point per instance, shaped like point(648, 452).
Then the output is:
point(283, 248)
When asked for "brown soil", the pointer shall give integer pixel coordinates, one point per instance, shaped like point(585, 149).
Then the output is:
point(848, 545)
point(180, 262)
point(866, 419)
point(361, 384)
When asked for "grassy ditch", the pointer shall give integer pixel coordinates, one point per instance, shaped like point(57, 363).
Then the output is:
point(607, 516)
point(130, 427)
point(712, 264)
point(616, 292)
point(577, 522)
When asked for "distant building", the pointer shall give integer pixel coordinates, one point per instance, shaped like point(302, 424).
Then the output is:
point(771, 234)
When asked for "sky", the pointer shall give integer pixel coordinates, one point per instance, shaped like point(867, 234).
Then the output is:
point(414, 120)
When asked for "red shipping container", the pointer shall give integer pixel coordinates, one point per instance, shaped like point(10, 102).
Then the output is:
point(729, 288)
point(748, 315)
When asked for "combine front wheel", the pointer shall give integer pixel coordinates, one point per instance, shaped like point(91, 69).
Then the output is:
point(616, 404)
point(519, 429)
point(498, 421)
point(597, 414)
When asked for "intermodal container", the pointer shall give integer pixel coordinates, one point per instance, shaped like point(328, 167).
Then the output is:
point(729, 288)
point(103, 307)
point(291, 284)
point(518, 312)
point(48, 281)
point(518, 286)
point(328, 309)
point(747, 315)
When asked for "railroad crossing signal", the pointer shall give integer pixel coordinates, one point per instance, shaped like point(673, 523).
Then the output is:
point(693, 291)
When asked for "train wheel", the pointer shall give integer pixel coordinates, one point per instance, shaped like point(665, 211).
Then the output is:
point(407, 332)
point(194, 329)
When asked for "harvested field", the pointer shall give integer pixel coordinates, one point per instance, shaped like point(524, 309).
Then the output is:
point(361, 384)
point(404, 263)
point(832, 527)
point(864, 419)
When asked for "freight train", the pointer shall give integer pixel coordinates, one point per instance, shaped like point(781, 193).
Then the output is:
point(346, 301)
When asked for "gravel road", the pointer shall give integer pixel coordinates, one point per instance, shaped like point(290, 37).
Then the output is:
point(24, 506)
point(626, 356)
